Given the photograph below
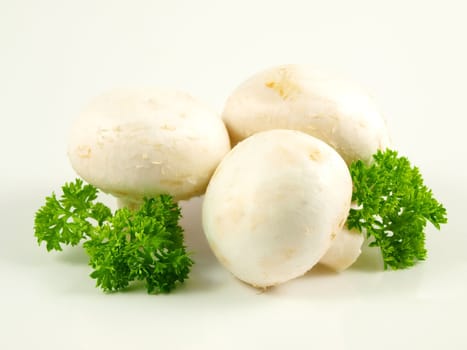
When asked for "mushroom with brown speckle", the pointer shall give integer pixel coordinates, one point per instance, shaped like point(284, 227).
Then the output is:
point(302, 98)
point(136, 143)
point(289, 192)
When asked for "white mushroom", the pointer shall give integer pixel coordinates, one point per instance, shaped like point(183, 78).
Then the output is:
point(134, 143)
point(274, 205)
point(301, 98)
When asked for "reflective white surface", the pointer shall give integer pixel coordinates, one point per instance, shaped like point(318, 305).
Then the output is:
point(56, 55)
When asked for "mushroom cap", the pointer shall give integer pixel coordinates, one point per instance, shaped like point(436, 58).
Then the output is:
point(274, 204)
point(301, 98)
point(142, 142)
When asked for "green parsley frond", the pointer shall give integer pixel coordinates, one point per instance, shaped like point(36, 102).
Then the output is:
point(145, 245)
point(68, 220)
point(394, 207)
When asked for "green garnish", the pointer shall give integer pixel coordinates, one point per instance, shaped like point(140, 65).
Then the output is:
point(394, 207)
point(145, 245)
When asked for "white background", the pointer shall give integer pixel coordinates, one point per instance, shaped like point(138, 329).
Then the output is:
point(56, 55)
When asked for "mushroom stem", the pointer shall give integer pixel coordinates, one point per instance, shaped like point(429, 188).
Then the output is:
point(132, 204)
point(344, 250)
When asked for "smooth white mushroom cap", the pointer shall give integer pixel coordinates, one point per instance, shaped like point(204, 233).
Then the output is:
point(274, 205)
point(301, 98)
point(344, 250)
point(144, 142)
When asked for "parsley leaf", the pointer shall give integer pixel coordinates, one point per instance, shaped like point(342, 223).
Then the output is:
point(145, 245)
point(67, 220)
point(394, 207)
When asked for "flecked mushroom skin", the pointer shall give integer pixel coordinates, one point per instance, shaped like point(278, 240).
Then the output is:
point(300, 98)
point(134, 143)
point(274, 205)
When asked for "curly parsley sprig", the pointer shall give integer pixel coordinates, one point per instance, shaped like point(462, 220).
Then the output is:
point(145, 245)
point(394, 207)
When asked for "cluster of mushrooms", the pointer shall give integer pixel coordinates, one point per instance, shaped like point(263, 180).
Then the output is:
point(273, 168)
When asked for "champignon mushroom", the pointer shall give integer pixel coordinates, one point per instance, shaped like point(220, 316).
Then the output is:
point(301, 98)
point(274, 204)
point(141, 142)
